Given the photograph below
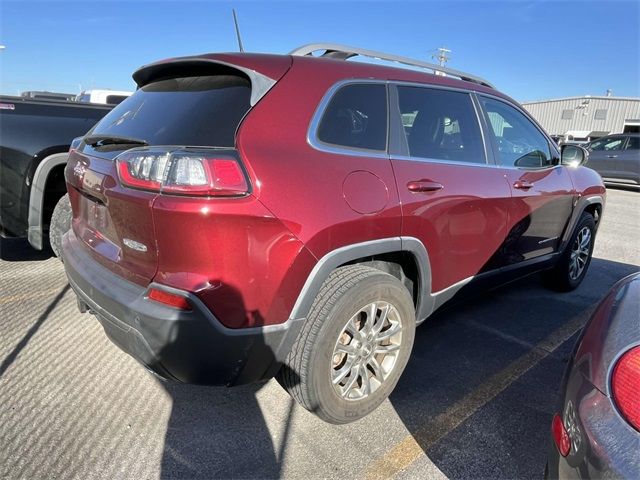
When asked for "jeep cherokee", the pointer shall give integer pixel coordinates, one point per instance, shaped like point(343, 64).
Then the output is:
point(243, 216)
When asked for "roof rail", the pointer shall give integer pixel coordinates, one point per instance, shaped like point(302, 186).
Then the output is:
point(344, 52)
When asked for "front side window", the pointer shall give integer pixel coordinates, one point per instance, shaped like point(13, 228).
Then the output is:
point(519, 142)
point(607, 144)
point(440, 124)
point(356, 117)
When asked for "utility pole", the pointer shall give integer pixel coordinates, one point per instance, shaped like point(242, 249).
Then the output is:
point(442, 56)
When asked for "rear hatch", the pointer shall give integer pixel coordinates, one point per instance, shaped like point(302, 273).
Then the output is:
point(193, 102)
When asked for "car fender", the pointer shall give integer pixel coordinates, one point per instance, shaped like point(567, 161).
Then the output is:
point(36, 197)
point(425, 303)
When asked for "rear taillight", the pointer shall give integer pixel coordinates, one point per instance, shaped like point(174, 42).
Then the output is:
point(560, 436)
point(167, 298)
point(198, 172)
point(625, 386)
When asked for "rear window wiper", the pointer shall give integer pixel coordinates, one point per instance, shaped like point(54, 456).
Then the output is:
point(103, 140)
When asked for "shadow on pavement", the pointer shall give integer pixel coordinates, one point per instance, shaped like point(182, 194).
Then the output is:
point(9, 359)
point(468, 399)
point(217, 432)
point(220, 432)
point(474, 407)
point(19, 250)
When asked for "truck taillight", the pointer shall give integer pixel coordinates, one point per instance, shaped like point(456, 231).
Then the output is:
point(199, 172)
point(625, 386)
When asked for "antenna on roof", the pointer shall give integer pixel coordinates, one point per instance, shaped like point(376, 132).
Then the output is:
point(235, 22)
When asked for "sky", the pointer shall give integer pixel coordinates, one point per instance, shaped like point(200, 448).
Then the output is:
point(531, 50)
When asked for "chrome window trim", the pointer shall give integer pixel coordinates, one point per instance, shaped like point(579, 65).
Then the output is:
point(312, 131)
point(443, 162)
point(552, 145)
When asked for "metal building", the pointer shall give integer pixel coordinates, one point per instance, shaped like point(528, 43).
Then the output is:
point(588, 117)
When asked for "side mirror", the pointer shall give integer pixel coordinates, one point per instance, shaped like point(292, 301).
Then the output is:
point(573, 155)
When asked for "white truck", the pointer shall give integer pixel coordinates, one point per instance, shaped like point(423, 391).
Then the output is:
point(104, 97)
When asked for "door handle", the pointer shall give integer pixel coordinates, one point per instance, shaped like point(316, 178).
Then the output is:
point(417, 186)
point(612, 156)
point(522, 185)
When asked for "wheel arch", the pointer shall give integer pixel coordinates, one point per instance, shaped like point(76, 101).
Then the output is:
point(594, 205)
point(38, 196)
point(406, 258)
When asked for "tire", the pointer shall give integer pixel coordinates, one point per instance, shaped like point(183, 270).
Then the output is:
point(60, 224)
point(335, 323)
point(574, 262)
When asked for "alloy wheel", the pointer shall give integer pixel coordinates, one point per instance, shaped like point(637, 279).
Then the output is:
point(580, 253)
point(366, 351)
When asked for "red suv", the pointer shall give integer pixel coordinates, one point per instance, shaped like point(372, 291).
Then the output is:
point(244, 216)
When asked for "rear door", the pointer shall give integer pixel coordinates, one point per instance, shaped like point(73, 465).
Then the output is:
point(115, 222)
point(453, 199)
point(542, 189)
point(604, 154)
point(628, 162)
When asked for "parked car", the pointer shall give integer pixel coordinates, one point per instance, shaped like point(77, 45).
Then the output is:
point(35, 136)
point(242, 216)
point(596, 433)
point(616, 158)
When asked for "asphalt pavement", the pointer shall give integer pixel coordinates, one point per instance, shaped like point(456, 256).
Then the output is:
point(475, 401)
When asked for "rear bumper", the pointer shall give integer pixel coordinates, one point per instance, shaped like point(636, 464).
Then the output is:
point(187, 346)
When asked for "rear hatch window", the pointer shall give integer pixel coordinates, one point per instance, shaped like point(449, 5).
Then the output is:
point(115, 222)
point(190, 111)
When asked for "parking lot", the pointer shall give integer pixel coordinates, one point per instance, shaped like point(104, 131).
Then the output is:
point(475, 401)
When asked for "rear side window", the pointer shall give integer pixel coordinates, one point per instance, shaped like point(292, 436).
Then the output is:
point(189, 111)
point(356, 117)
point(519, 142)
point(440, 124)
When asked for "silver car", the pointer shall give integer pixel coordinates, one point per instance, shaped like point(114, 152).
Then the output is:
point(596, 433)
point(616, 158)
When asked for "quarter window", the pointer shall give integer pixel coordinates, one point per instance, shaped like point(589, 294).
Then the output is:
point(519, 142)
point(440, 124)
point(356, 117)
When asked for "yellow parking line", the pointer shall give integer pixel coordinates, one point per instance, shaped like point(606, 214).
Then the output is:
point(28, 296)
point(412, 447)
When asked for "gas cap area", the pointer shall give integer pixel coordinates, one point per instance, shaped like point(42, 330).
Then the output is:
point(365, 192)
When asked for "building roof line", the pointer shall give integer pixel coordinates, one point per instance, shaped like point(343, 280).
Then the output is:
point(583, 97)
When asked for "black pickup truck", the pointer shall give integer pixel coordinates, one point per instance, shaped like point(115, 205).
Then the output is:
point(35, 136)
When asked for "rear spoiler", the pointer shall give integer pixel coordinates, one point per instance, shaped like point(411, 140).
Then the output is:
point(260, 84)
